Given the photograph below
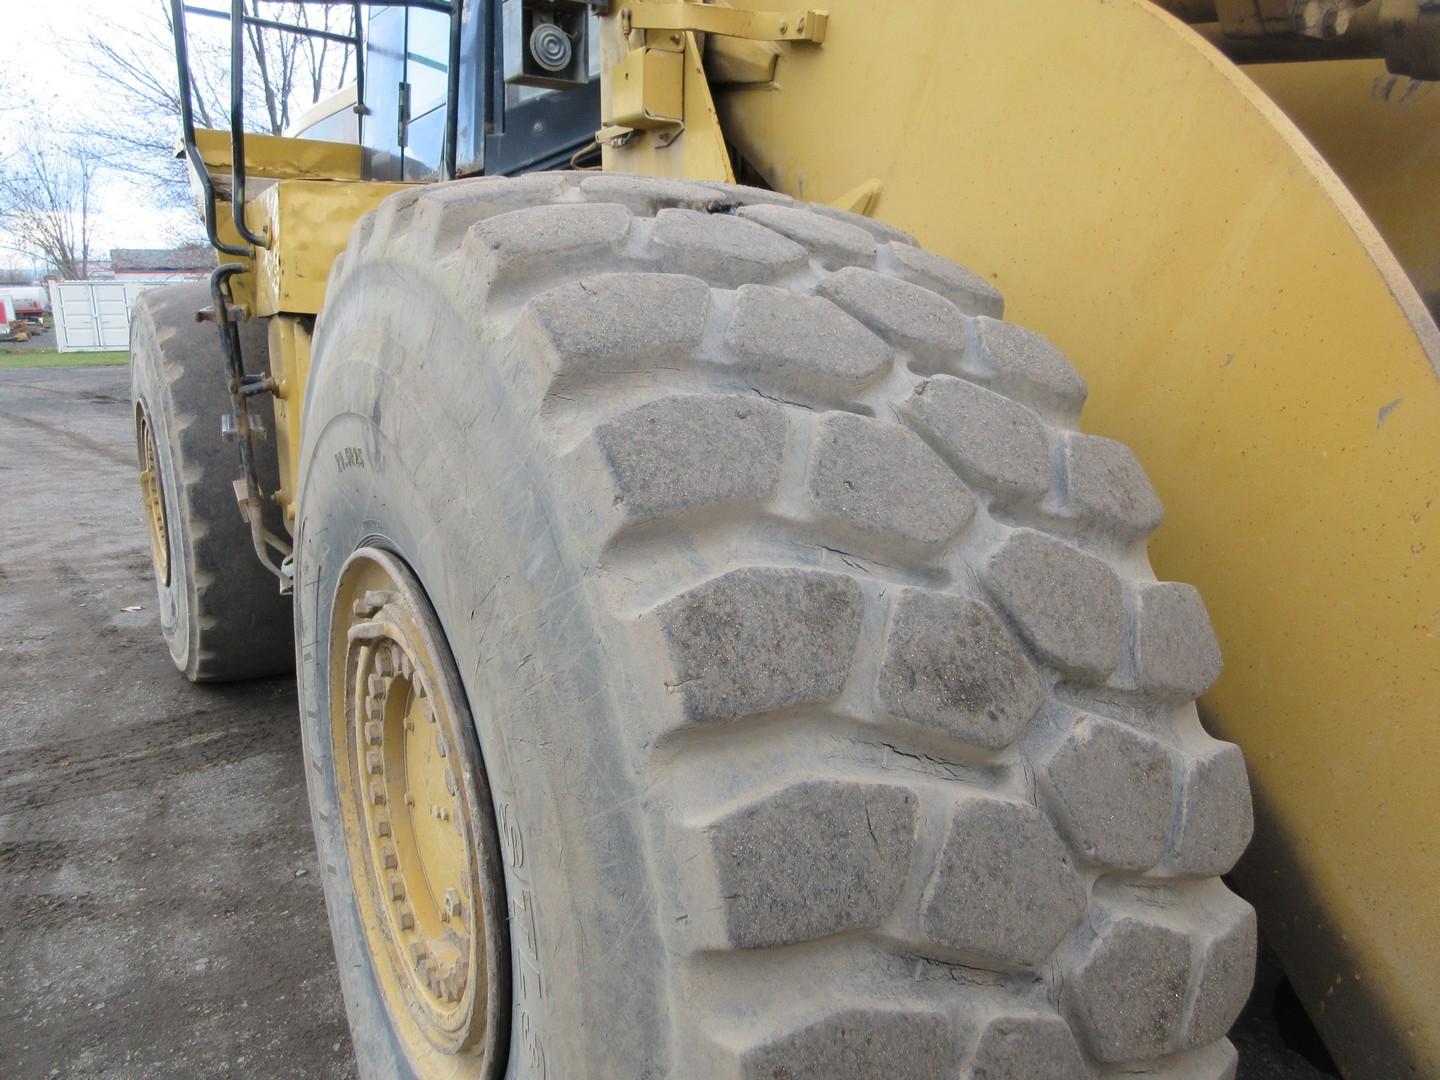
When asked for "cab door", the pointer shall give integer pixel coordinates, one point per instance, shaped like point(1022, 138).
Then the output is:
point(403, 126)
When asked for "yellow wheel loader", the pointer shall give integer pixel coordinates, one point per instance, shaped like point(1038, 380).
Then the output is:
point(721, 650)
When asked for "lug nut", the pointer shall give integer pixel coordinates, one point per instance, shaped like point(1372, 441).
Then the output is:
point(374, 763)
point(373, 732)
point(385, 660)
point(453, 907)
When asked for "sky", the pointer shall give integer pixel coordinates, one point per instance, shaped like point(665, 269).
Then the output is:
point(41, 71)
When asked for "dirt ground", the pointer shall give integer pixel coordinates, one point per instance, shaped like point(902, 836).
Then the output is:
point(160, 908)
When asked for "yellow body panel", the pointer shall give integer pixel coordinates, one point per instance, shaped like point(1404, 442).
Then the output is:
point(1241, 323)
point(290, 367)
point(646, 89)
point(305, 197)
point(766, 24)
point(272, 157)
point(694, 149)
point(1381, 133)
point(1244, 327)
point(308, 223)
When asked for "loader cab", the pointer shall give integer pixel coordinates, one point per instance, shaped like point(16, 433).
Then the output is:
point(527, 96)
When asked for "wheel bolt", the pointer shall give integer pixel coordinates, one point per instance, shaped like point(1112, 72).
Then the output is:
point(385, 660)
point(453, 907)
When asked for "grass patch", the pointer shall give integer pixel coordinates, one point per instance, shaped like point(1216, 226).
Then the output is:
point(38, 358)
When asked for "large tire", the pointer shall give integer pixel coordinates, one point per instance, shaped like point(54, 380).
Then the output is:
point(220, 610)
point(835, 722)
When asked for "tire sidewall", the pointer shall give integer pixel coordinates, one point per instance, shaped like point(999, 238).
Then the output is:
point(175, 602)
point(395, 456)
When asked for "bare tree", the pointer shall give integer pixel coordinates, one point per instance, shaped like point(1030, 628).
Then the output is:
point(284, 84)
point(46, 204)
point(140, 127)
point(321, 53)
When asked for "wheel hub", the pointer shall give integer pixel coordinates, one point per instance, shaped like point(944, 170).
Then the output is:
point(419, 824)
point(153, 496)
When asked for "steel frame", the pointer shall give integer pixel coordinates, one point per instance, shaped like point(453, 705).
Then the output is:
point(245, 385)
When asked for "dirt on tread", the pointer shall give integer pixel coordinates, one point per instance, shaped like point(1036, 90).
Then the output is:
point(883, 829)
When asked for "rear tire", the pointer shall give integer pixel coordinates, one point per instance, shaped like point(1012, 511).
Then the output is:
point(835, 723)
point(220, 610)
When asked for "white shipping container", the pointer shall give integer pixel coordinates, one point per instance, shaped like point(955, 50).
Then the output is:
point(94, 316)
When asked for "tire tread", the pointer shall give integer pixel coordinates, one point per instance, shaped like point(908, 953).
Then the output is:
point(774, 597)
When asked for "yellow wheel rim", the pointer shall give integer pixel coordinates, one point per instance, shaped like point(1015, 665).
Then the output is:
point(418, 822)
point(152, 494)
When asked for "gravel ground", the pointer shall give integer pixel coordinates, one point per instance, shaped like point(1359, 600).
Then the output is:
point(161, 905)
